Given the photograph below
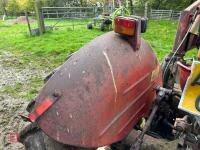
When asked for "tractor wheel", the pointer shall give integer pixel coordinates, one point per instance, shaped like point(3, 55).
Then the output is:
point(144, 23)
point(34, 139)
point(102, 27)
point(90, 26)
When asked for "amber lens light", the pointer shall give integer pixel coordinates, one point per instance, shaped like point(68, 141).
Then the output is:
point(125, 25)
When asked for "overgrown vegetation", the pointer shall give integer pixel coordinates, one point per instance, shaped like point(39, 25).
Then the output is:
point(166, 4)
point(19, 6)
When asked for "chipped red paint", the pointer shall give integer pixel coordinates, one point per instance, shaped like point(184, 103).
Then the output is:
point(105, 88)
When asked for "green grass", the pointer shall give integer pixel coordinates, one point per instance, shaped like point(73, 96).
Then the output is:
point(161, 35)
point(20, 90)
point(51, 49)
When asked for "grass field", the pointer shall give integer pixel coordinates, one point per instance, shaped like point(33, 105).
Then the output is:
point(50, 50)
point(56, 45)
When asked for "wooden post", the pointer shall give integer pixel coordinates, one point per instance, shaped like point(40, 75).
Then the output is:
point(57, 14)
point(38, 10)
point(28, 23)
point(73, 23)
point(171, 15)
point(146, 10)
point(113, 9)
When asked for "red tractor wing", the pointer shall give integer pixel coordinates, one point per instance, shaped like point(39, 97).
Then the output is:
point(105, 88)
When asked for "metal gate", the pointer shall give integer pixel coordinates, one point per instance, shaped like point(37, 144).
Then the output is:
point(69, 12)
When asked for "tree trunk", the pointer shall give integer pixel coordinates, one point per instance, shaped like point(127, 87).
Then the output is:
point(5, 11)
point(39, 15)
point(3, 5)
point(28, 23)
point(159, 4)
point(131, 6)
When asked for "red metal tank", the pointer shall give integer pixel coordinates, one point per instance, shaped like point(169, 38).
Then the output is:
point(184, 73)
point(105, 88)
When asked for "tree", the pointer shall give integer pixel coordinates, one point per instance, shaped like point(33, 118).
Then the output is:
point(25, 5)
point(129, 4)
point(166, 4)
point(49, 3)
point(12, 7)
point(16, 6)
point(3, 4)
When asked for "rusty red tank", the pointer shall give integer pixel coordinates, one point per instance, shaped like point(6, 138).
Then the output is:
point(101, 92)
point(104, 90)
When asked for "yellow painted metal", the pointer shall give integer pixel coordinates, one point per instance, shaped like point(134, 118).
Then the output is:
point(191, 92)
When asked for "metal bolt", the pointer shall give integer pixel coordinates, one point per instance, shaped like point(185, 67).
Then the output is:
point(57, 93)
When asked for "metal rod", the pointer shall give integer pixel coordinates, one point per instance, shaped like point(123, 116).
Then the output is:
point(137, 145)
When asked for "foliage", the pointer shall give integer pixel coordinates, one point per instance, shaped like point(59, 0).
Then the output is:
point(16, 6)
point(166, 4)
point(122, 11)
point(25, 4)
point(3, 4)
point(12, 6)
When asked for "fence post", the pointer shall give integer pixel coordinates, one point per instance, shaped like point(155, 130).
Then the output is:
point(171, 12)
point(146, 10)
point(94, 11)
point(28, 23)
point(57, 14)
point(38, 10)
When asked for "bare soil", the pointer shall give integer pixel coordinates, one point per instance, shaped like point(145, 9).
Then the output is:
point(11, 106)
point(21, 19)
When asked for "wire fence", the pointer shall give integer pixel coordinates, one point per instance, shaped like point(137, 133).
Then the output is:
point(164, 14)
point(92, 12)
point(82, 16)
point(68, 12)
point(83, 12)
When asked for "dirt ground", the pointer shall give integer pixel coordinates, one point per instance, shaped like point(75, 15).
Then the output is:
point(11, 107)
point(21, 19)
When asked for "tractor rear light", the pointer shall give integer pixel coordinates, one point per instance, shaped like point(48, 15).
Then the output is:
point(40, 109)
point(125, 25)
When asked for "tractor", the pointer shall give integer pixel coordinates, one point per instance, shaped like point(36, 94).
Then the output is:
point(115, 85)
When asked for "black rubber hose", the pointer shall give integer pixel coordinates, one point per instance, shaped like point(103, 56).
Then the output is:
point(197, 103)
point(166, 75)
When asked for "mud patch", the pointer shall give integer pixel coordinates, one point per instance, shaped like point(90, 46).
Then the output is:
point(21, 19)
point(11, 106)
point(11, 73)
point(10, 121)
